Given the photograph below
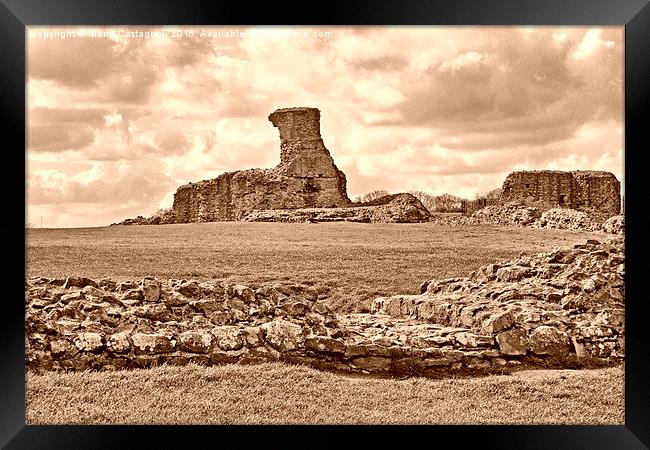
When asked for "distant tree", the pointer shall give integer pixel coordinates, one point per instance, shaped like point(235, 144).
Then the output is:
point(448, 203)
point(370, 196)
point(428, 200)
point(492, 197)
point(438, 203)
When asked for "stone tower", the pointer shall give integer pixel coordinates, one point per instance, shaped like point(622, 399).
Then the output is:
point(305, 178)
point(302, 151)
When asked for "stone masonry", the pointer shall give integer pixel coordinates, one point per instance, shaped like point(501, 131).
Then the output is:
point(305, 178)
point(305, 187)
point(583, 190)
point(552, 309)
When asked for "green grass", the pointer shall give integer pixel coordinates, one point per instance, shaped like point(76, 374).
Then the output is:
point(356, 262)
point(274, 393)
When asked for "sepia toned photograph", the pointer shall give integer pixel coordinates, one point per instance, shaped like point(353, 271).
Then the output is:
point(325, 225)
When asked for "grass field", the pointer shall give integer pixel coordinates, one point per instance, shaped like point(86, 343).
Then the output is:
point(273, 393)
point(356, 262)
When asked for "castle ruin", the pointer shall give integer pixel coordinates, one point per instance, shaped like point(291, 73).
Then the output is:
point(584, 190)
point(305, 178)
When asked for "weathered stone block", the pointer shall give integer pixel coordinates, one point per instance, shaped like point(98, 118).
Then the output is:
point(174, 299)
point(195, 341)
point(352, 350)
point(498, 322)
point(225, 357)
point(118, 343)
point(546, 340)
point(324, 344)
point(372, 363)
point(513, 273)
point(206, 306)
point(513, 342)
point(228, 337)
point(132, 294)
point(467, 339)
point(152, 343)
point(89, 342)
point(283, 335)
point(61, 348)
point(252, 336)
point(78, 282)
point(189, 289)
point(244, 292)
point(150, 290)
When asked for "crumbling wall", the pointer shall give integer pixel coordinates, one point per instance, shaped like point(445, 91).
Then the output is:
point(584, 190)
point(597, 191)
point(305, 178)
point(395, 208)
point(570, 300)
point(553, 308)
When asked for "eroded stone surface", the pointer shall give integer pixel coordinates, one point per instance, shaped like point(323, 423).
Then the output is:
point(397, 208)
point(596, 191)
point(566, 303)
point(305, 178)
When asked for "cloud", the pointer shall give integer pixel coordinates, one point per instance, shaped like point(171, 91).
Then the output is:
point(56, 130)
point(116, 125)
point(74, 62)
point(53, 138)
point(510, 88)
point(171, 141)
point(102, 183)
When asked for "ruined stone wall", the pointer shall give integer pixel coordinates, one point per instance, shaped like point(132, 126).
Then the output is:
point(205, 201)
point(593, 191)
point(600, 191)
point(551, 309)
point(395, 208)
point(305, 178)
point(568, 301)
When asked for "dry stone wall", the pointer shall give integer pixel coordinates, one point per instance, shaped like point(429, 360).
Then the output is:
point(567, 305)
point(568, 301)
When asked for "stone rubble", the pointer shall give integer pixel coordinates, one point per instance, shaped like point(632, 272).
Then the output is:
point(555, 303)
point(615, 225)
point(519, 214)
point(396, 208)
point(564, 304)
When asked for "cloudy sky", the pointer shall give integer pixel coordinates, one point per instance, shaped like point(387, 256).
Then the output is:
point(118, 119)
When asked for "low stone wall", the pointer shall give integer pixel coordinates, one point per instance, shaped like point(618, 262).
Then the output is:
point(568, 301)
point(396, 208)
point(566, 304)
point(518, 214)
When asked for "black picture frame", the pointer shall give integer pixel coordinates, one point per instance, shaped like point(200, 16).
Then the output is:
point(15, 15)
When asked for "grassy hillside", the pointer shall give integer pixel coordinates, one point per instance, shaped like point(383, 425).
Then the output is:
point(356, 262)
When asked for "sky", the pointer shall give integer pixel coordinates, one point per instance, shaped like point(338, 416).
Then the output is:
point(118, 118)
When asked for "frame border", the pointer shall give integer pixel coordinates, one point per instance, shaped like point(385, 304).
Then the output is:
point(15, 16)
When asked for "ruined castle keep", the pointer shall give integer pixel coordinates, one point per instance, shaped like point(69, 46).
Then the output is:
point(305, 178)
point(585, 190)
